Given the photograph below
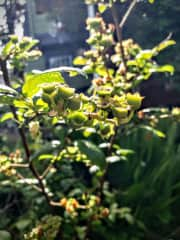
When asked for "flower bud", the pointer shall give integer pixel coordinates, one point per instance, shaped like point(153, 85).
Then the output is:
point(34, 128)
point(105, 212)
point(63, 202)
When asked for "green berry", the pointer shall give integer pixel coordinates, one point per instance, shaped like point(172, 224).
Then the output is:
point(120, 112)
point(46, 98)
point(66, 92)
point(48, 88)
point(74, 103)
point(77, 118)
point(134, 100)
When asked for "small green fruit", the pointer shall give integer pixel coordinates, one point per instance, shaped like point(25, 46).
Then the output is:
point(48, 88)
point(134, 100)
point(120, 112)
point(104, 92)
point(46, 98)
point(107, 40)
point(94, 23)
point(74, 103)
point(105, 129)
point(56, 96)
point(84, 98)
point(77, 118)
point(66, 92)
point(14, 38)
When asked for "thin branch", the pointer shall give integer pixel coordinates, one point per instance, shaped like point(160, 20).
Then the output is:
point(3, 64)
point(119, 28)
point(19, 165)
point(109, 152)
point(119, 35)
point(21, 177)
point(127, 14)
point(44, 174)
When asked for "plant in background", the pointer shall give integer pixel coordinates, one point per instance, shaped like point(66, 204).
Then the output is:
point(69, 142)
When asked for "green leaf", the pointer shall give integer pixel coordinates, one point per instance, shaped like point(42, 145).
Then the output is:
point(80, 61)
point(6, 117)
point(164, 45)
point(102, 7)
point(7, 90)
point(22, 224)
point(71, 70)
point(145, 54)
point(113, 159)
point(93, 153)
point(153, 131)
point(125, 152)
point(6, 99)
point(46, 156)
point(33, 82)
point(165, 68)
point(8, 49)
point(29, 43)
point(4, 235)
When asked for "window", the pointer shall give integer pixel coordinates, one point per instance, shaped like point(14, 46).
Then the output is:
point(58, 61)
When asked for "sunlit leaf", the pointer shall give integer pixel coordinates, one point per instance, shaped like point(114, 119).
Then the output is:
point(80, 61)
point(113, 159)
point(6, 117)
point(154, 131)
point(102, 7)
point(71, 70)
point(7, 90)
point(33, 82)
point(164, 45)
point(165, 68)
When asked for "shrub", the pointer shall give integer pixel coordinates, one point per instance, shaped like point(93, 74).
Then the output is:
point(69, 144)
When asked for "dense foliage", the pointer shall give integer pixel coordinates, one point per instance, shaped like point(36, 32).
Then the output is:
point(87, 166)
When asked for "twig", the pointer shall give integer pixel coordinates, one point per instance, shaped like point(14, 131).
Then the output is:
point(44, 174)
point(103, 178)
point(127, 14)
point(119, 28)
point(19, 165)
point(21, 177)
point(119, 36)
